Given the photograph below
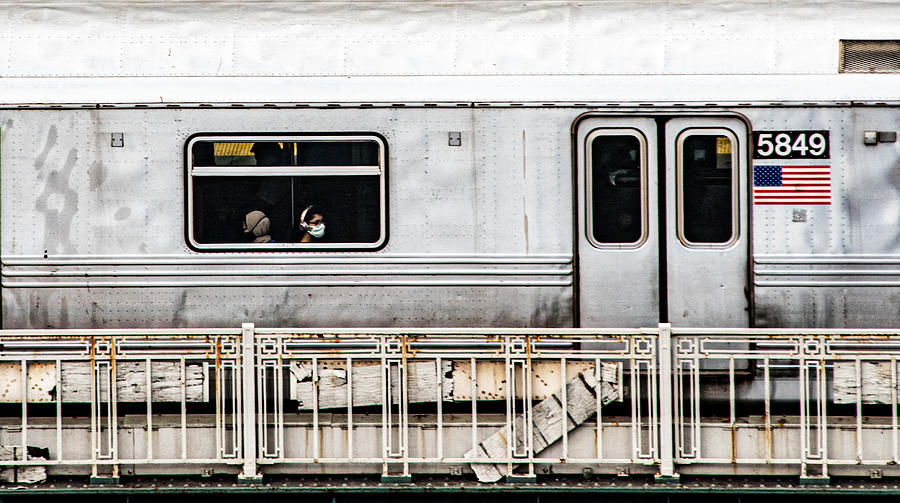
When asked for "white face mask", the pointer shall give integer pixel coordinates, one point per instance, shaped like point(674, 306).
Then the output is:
point(316, 231)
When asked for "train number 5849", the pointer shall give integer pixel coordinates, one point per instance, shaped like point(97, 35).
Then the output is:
point(790, 145)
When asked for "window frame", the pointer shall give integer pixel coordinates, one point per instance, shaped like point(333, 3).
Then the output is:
point(589, 184)
point(735, 186)
point(190, 171)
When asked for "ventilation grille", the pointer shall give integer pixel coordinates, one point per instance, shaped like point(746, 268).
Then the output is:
point(870, 56)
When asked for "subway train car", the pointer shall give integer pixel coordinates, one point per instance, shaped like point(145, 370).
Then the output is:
point(495, 164)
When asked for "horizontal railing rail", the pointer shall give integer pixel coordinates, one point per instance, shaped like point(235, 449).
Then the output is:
point(500, 403)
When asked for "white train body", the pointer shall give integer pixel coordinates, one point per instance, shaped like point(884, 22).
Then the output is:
point(483, 180)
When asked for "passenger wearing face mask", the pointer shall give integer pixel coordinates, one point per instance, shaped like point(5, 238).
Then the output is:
point(256, 227)
point(312, 224)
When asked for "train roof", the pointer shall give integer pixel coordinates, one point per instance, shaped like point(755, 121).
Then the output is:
point(464, 51)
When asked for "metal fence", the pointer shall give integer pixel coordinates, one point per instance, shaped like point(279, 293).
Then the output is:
point(500, 403)
point(819, 400)
point(495, 399)
point(104, 398)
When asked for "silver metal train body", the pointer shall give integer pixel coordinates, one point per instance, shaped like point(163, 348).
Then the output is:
point(522, 164)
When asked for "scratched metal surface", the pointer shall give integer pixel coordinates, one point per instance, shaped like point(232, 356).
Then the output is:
point(835, 265)
point(94, 235)
point(479, 234)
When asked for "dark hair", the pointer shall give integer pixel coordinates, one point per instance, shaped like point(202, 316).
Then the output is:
point(268, 153)
point(309, 211)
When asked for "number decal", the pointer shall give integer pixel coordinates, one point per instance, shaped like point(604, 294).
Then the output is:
point(764, 145)
point(800, 144)
point(783, 145)
point(817, 144)
point(790, 145)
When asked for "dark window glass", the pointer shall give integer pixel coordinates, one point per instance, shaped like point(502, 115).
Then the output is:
point(616, 188)
point(350, 204)
point(707, 190)
point(337, 154)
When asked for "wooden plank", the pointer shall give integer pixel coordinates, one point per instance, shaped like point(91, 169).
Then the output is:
point(131, 382)
point(367, 376)
point(422, 381)
point(547, 419)
point(875, 380)
point(491, 378)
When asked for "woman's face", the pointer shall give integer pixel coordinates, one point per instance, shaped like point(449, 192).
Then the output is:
point(314, 228)
point(316, 219)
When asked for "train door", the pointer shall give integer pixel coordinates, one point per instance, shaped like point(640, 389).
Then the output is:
point(662, 221)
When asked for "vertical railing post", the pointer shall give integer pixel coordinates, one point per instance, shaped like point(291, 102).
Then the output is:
point(250, 473)
point(666, 444)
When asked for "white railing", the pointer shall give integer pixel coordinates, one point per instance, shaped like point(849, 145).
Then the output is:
point(393, 376)
point(816, 399)
point(502, 402)
point(104, 398)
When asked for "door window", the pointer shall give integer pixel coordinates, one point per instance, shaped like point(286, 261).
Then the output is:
point(707, 187)
point(616, 186)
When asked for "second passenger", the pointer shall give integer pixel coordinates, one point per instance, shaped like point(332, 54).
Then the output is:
point(312, 224)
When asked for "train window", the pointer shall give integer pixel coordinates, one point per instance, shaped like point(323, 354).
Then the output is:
point(707, 189)
point(616, 187)
point(286, 193)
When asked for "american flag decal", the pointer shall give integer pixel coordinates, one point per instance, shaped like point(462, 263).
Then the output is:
point(792, 184)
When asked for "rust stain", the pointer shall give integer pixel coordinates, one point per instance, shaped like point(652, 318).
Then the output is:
point(218, 378)
point(733, 444)
point(93, 374)
point(112, 366)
